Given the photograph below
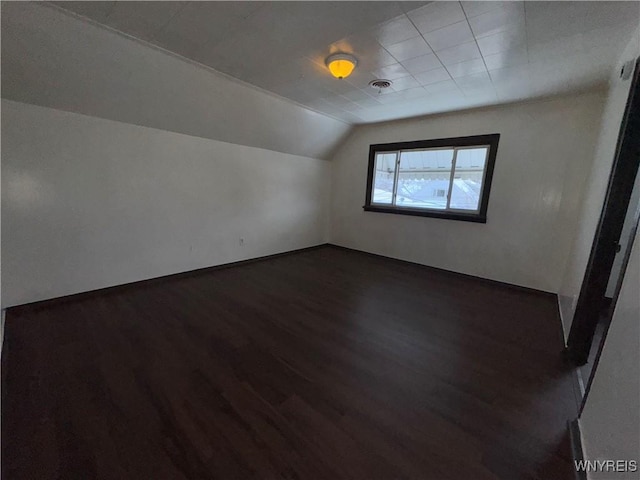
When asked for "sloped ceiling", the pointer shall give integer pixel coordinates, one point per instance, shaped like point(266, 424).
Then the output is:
point(442, 56)
point(147, 62)
point(54, 59)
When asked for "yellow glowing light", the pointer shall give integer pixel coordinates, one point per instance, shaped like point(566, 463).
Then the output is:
point(341, 65)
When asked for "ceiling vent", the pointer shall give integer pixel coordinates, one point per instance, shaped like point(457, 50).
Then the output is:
point(380, 84)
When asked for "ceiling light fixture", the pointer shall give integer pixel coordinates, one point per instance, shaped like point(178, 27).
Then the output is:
point(341, 64)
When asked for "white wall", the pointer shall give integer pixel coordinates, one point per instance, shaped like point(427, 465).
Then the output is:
point(610, 421)
point(89, 203)
point(545, 152)
point(53, 59)
point(596, 187)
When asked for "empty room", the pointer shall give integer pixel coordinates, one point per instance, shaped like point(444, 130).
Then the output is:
point(320, 240)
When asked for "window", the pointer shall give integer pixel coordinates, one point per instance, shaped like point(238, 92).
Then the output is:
point(446, 178)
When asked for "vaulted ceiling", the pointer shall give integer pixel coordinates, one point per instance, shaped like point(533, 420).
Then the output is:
point(440, 56)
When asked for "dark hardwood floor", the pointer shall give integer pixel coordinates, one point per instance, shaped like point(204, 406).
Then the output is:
point(323, 364)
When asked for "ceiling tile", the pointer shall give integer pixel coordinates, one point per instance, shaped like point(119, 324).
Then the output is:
point(433, 76)
point(203, 23)
point(578, 72)
point(506, 17)
point(407, 49)
point(449, 36)
point(469, 67)
point(374, 58)
point(357, 95)
point(304, 21)
point(310, 70)
point(405, 83)
point(299, 92)
point(448, 102)
point(410, 5)
point(349, 117)
point(459, 53)
point(256, 45)
point(512, 93)
point(339, 86)
point(303, 71)
point(178, 42)
point(353, 107)
point(337, 101)
point(436, 15)
point(422, 64)
point(507, 75)
point(369, 102)
point(473, 9)
point(607, 41)
point(404, 95)
point(479, 98)
point(281, 47)
point(414, 93)
point(360, 78)
point(288, 72)
point(97, 11)
point(259, 55)
point(549, 20)
point(557, 48)
point(136, 18)
point(391, 72)
point(353, 14)
point(442, 87)
point(355, 43)
point(475, 81)
point(511, 79)
point(395, 31)
point(363, 46)
point(502, 41)
point(389, 98)
point(509, 58)
point(322, 105)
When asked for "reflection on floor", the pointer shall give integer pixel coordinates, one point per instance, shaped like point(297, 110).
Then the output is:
point(603, 325)
point(323, 364)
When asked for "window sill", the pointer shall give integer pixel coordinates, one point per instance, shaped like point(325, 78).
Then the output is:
point(465, 217)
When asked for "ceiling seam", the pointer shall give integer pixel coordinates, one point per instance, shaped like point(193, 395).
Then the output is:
point(475, 40)
point(436, 55)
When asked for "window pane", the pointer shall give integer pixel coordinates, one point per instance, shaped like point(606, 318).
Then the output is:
point(467, 181)
point(383, 178)
point(423, 178)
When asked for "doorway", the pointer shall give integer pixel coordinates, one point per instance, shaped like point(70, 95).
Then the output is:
point(612, 244)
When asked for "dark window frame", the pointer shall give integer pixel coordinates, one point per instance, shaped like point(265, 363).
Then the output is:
point(480, 216)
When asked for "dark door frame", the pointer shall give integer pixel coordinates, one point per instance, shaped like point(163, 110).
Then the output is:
point(616, 292)
point(605, 244)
